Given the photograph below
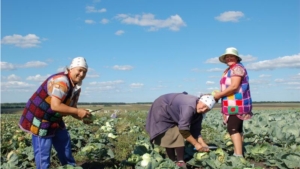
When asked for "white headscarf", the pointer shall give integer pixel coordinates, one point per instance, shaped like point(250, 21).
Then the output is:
point(78, 62)
point(209, 100)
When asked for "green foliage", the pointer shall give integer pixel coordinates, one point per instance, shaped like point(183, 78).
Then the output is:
point(271, 138)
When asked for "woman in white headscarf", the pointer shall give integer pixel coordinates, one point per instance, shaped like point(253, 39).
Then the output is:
point(175, 117)
point(43, 115)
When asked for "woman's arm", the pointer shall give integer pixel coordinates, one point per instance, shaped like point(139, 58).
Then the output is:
point(199, 144)
point(235, 85)
point(58, 106)
point(63, 109)
point(201, 141)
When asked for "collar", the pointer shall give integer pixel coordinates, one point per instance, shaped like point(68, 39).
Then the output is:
point(226, 70)
point(232, 65)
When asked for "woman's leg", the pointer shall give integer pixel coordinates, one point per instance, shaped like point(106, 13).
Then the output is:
point(180, 153)
point(171, 153)
point(237, 143)
point(62, 145)
point(42, 151)
point(235, 129)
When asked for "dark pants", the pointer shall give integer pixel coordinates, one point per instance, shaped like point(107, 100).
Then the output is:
point(234, 125)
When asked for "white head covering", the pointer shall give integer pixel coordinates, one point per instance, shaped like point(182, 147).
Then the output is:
point(209, 100)
point(78, 62)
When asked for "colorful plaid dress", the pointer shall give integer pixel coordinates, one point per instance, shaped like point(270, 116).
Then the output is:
point(38, 118)
point(239, 103)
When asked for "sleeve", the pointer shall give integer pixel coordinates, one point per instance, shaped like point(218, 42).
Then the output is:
point(185, 117)
point(58, 86)
point(196, 127)
point(185, 133)
point(237, 71)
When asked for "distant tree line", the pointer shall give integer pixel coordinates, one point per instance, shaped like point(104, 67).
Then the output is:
point(22, 105)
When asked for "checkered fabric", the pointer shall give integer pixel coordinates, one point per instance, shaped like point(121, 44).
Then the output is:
point(38, 118)
point(240, 102)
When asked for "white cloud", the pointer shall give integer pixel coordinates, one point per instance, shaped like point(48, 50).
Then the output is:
point(248, 58)
point(213, 60)
point(136, 85)
point(230, 16)
point(293, 83)
point(279, 80)
point(89, 21)
point(61, 69)
point(262, 82)
point(104, 86)
point(296, 76)
point(125, 67)
point(92, 75)
point(215, 70)
point(7, 66)
point(13, 77)
point(263, 76)
point(107, 83)
point(38, 78)
point(293, 88)
point(33, 64)
point(245, 58)
point(174, 22)
point(104, 21)
point(209, 70)
point(281, 62)
point(28, 41)
point(119, 32)
point(210, 82)
point(15, 85)
point(92, 9)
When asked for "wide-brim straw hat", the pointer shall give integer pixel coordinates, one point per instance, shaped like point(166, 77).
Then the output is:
point(230, 51)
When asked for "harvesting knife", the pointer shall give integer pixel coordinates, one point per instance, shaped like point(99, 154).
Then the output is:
point(95, 110)
point(210, 147)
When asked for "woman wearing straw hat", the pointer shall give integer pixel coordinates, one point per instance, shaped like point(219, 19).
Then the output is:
point(236, 98)
point(175, 117)
point(43, 115)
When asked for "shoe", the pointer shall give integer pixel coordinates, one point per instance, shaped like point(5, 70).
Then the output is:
point(182, 165)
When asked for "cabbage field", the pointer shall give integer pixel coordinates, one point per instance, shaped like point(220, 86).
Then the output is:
point(271, 140)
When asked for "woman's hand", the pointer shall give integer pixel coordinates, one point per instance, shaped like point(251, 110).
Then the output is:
point(81, 113)
point(217, 96)
point(201, 148)
point(202, 145)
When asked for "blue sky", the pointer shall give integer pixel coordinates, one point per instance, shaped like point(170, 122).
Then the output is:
point(138, 50)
